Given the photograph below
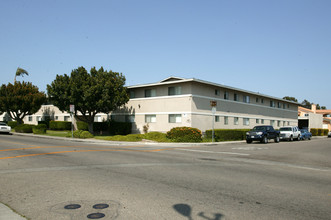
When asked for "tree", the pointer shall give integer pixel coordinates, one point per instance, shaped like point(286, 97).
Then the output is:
point(20, 99)
point(306, 104)
point(20, 72)
point(99, 91)
point(290, 99)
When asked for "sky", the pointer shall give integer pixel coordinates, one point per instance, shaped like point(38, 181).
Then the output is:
point(274, 47)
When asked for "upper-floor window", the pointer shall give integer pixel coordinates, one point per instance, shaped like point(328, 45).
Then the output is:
point(217, 92)
point(236, 97)
point(246, 99)
point(150, 92)
point(272, 104)
point(257, 100)
point(175, 90)
point(279, 105)
point(262, 101)
point(132, 94)
point(226, 95)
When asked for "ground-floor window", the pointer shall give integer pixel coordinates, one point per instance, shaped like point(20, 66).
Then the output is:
point(150, 118)
point(175, 118)
point(236, 121)
point(226, 120)
point(246, 121)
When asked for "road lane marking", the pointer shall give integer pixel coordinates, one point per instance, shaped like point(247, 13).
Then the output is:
point(78, 151)
point(213, 152)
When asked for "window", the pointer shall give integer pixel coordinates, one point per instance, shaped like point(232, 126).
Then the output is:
point(272, 104)
point(236, 97)
point(150, 92)
point(257, 100)
point(236, 121)
point(217, 118)
point(246, 99)
point(217, 92)
point(272, 122)
point(150, 118)
point(38, 118)
point(226, 95)
point(226, 120)
point(262, 101)
point(278, 123)
point(279, 105)
point(97, 118)
point(257, 121)
point(132, 94)
point(246, 121)
point(175, 118)
point(56, 117)
point(284, 123)
point(30, 118)
point(288, 123)
point(262, 121)
point(129, 118)
point(175, 90)
point(66, 118)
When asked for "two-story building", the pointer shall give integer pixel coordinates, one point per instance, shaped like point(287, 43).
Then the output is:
point(176, 102)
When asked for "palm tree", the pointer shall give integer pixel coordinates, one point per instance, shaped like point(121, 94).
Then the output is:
point(20, 72)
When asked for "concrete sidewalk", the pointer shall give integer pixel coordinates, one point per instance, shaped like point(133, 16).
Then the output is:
point(8, 214)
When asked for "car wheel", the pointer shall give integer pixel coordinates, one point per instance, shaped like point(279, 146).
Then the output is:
point(299, 138)
point(277, 139)
point(291, 138)
point(248, 141)
point(264, 140)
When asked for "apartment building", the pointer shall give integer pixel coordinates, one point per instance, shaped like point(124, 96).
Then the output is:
point(175, 102)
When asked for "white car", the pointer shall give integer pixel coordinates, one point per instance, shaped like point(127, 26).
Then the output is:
point(290, 133)
point(4, 128)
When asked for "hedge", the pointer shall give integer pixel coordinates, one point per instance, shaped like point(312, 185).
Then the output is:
point(60, 125)
point(12, 124)
point(113, 127)
point(39, 129)
point(184, 134)
point(319, 132)
point(228, 134)
point(24, 128)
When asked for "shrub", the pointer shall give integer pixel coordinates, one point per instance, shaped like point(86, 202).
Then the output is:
point(24, 128)
point(81, 125)
point(86, 134)
point(314, 131)
point(82, 134)
point(119, 128)
point(156, 136)
point(184, 134)
point(325, 132)
point(40, 129)
point(60, 125)
point(227, 134)
point(12, 124)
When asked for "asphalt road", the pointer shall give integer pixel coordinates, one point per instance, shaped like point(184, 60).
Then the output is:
point(44, 178)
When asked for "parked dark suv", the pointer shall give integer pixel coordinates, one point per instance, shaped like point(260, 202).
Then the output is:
point(262, 134)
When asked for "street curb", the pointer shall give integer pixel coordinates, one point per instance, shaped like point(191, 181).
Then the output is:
point(126, 142)
point(7, 213)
